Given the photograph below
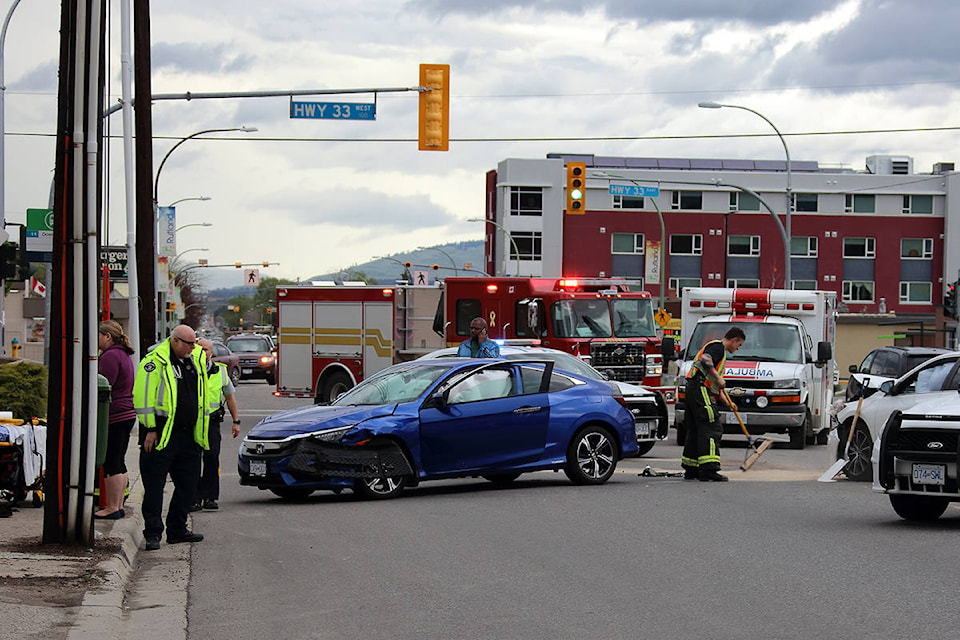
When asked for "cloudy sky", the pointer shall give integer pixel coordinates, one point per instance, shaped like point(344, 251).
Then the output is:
point(622, 77)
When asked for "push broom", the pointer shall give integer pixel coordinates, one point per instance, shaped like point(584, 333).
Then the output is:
point(757, 446)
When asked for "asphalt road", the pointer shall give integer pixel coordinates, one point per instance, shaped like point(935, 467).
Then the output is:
point(771, 554)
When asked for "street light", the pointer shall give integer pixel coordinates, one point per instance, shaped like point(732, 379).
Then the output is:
point(513, 242)
point(156, 180)
point(193, 224)
point(3, 164)
point(663, 235)
point(452, 261)
point(787, 227)
point(200, 198)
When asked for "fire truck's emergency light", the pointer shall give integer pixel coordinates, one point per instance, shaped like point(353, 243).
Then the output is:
point(569, 284)
point(492, 288)
point(387, 293)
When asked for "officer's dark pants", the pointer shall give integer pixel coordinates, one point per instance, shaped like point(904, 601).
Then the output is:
point(701, 449)
point(181, 460)
point(209, 487)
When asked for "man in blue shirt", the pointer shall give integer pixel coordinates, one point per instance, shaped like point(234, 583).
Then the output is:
point(478, 345)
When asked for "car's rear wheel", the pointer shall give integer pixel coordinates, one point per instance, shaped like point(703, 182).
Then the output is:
point(921, 508)
point(271, 379)
point(291, 493)
point(501, 478)
point(859, 468)
point(591, 456)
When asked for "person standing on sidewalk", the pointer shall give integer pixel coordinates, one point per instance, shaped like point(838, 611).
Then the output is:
point(220, 392)
point(170, 397)
point(117, 367)
point(701, 449)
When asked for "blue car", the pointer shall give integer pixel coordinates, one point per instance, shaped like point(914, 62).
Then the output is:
point(435, 419)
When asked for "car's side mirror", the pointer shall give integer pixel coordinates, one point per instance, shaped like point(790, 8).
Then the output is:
point(824, 352)
point(887, 387)
point(668, 349)
point(437, 400)
point(853, 369)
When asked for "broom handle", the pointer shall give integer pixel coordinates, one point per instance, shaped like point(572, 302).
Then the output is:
point(733, 408)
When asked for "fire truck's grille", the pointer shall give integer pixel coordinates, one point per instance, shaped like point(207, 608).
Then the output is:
point(633, 375)
point(618, 354)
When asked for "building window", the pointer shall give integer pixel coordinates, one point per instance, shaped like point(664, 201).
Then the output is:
point(916, 248)
point(678, 284)
point(804, 202)
point(860, 203)
point(918, 204)
point(743, 201)
point(528, 243)
point(628, 243)
point(916, 292)
point(526, 201)
point(857, 291)
point(743, 246)
point(627, 202)
point(743, 283)
point(803, 285)
point(803, 246)
point(686, 244)
point(688, 200)
point(859, 248)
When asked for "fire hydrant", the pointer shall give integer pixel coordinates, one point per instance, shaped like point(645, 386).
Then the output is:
point(15, 348)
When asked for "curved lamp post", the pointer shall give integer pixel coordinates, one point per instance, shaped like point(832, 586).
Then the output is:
point(513, 242)
point(156, 180)
point(787, 227)
point(194, 224)
point(449, 257)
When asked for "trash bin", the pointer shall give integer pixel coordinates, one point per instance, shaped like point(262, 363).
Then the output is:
point(104, 396)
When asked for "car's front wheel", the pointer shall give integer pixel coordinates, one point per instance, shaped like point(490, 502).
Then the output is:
point(858, 468)
point(291, 493)
point(920, 508)
point(591, 456)
point(379, 488)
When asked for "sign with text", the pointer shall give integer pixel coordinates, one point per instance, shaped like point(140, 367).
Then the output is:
point(167, 232)
point(333, 110)
point(652, 262)
point(114, 259)
point(634, 191)
point(39, 230)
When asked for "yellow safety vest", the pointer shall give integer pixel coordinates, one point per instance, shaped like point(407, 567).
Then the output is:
point(155, 394)
point(216, 380)
point(698, 367)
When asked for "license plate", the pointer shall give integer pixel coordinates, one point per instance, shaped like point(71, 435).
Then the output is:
point(246, 371)
point(643, 429)
point(732, 418)
point(929, 473)
point(258, 467)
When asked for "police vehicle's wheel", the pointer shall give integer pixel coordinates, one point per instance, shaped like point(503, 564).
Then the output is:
point(918, 507)
point(859, 468)
point(292, 494)
point(591, 456)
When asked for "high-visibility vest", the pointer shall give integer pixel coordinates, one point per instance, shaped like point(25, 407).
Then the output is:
point(698, 367)
point(216, 380)
point(155, 394)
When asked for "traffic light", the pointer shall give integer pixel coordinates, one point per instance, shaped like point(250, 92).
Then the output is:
point(171, 307)
point(434, 130)
point(435, 267)
point(407, 264)
point(576, 187)
point(13, 263)
point(950, 300)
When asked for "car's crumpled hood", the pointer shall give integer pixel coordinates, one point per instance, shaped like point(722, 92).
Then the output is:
point(315, 418)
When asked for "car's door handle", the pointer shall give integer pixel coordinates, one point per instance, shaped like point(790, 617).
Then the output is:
point(527, 409)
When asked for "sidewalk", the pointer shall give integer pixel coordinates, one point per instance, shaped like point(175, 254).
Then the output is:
point(68, 591)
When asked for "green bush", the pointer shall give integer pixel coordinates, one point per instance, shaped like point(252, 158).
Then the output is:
point(23, 389)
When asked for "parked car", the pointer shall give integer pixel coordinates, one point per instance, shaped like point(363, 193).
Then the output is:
point(257, 356)
point(443, 418)
point(648, 407)
point(937, 377)
point(221, 353)
point(915, 460)
point(886, 363)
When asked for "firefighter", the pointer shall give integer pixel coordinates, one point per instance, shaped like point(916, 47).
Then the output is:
point(701, 449)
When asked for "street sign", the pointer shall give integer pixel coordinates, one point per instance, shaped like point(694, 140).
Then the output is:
point(662, 317)
point(115, 259)
point(167, 237)
point(39, 230)
point(251, 277)
point(634, 191)
point(333, 111)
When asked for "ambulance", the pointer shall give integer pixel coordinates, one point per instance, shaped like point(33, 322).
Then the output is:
point(782, 378)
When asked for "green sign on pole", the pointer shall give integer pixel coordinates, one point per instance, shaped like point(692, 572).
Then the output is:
point(40, 230)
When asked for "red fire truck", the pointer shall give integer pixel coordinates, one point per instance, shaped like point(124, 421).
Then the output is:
point(331, 337)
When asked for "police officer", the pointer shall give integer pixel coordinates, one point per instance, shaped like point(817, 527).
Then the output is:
point(701, 449)
point(222, 398)
point(171, 403)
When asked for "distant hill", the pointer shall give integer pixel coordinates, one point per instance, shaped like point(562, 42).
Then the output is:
point(387, 269)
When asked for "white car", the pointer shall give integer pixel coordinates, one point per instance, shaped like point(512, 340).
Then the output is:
point(648, 407)
point(915, 458)
point(936, 378)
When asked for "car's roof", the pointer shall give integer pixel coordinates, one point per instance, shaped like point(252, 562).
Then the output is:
point(949, 355)
point(910, 350)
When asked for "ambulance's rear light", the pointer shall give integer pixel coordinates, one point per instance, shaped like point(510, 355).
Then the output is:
point(491, 288)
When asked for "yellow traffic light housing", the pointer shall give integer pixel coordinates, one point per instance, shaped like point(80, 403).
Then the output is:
point(576, 187)
point(407, 265)
point(434, 131)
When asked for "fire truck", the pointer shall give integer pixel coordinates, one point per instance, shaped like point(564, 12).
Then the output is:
point(331, 337)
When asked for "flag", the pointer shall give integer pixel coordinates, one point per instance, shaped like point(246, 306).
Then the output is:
point(38, 287)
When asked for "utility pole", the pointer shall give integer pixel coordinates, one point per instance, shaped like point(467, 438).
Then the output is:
point(146, 220)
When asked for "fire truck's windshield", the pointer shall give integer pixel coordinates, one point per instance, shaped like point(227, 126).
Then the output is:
point(764, 343)
point(591, 318)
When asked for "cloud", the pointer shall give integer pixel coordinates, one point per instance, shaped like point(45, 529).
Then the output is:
point(40, 78)
point(189, 57)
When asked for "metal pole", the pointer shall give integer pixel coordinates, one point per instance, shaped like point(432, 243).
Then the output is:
point(513, 242)
point(3, 165)
point(449, 257)
point(788, 230)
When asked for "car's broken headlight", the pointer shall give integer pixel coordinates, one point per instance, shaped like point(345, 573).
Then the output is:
point(331, 435)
